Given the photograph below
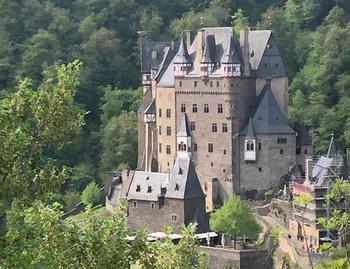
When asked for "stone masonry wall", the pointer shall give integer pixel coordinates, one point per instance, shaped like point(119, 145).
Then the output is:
point(155, 219)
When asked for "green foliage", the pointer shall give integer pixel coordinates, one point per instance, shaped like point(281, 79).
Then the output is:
point(30, 122)
point(119, 142)
point(92, 194)
point(240, 21)
point(71, 199)
point(81, 176)
point(235, 218)
point(39, 238)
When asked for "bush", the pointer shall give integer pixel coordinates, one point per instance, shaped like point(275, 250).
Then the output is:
point(91, 194)
point(71, 199)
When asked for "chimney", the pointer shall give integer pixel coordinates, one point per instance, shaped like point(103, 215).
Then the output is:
point(308, 168)
point(172, 45)
point(199, 51)
point(189, 38)
point(245, 51)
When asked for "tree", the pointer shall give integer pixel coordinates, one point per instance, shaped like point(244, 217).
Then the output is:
point(340, 215)
point(235, 218)
point(39, 238)
point(303, 200)
point(240, 22)
point(31, 121)
point(91, 195)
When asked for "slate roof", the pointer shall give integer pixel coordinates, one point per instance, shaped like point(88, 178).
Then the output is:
point(268, 118)
point(257, 41)
point(208, 51)
point(182, 54)
point(230, 55)
point(184, 130)
point(184, 182)
point(147, 62)
point(180, 183)
point(142, 180)
point(151, 109)
point(250, 131)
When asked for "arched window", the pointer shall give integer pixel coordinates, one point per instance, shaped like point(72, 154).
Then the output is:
point(250, 145)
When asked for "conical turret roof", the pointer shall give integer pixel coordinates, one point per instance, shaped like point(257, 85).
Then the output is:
point(230, 56)
point(250, 131)
point(182, 54)
point(206, 54)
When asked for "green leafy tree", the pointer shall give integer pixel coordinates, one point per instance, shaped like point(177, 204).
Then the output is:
point(30, 122)
point(240, 21)
point(235, 218)
point(119, 142)
point(91, 194)
point(337, 202)
point(71, 199)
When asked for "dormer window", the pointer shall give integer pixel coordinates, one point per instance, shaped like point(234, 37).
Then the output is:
point(180, 171)
point(149, 189)
point(138, 188)
point(177, 187)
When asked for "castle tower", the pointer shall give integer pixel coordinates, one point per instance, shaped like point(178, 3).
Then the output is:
point(183, 139)
point(149, 118)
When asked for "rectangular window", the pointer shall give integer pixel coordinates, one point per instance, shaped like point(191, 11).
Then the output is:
point(160, 113)
point(168, 130)
point(160, 130)
point(173, 218)
point(194, 108)
point(153, 205)
point(210, 147)
point(195, 83)
point(180, 83)
point(183, 108)
point(214, 127)
point(168, 113)
point(192, 126)
point(195, 147)
point(217, 84)
point(168, 150)
point(298, 151)
point(259, 146)
point(206, 108)
point(160, 147)
point(220, 109)
point(211, 84)
point(224, 127)
point(134, 204)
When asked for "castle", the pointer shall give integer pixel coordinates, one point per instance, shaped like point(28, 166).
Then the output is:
point(213, 122)
point(234, 94)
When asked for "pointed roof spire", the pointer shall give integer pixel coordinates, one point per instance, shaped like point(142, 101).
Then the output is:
point(183, 130)
point(332, 150)
point(250, 131)
point(230, 56)
point(206, 54)
point(182, 54)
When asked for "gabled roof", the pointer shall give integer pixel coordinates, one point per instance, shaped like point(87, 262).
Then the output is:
point(184, 182)
point(151, 109)
point(183, 131)
point(257, 45)
point(250, 131)
point(182, 54)
point(268, 118)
